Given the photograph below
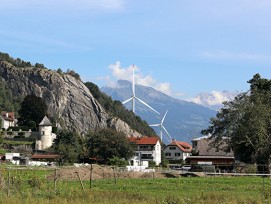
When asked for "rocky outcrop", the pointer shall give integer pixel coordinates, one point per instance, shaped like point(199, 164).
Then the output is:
point(68, 99)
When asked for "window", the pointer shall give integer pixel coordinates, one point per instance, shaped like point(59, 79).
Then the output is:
point(168, 154)
point(177, 154)
point(43, 133)
point(172, 148)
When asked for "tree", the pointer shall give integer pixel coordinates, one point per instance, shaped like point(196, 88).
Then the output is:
point(69, 145)
point(108, 143)
point(246, 122)
point(33, 108)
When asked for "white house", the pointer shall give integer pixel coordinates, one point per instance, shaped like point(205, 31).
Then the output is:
point(46, 137)
point(13, 158)
point(8, 119)
point(147, 149)
point(177, 150)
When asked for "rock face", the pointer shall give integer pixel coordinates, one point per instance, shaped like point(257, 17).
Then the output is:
point(68, 99)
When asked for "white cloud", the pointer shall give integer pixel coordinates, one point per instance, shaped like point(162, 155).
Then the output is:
point(145, 80)
point(65, 4)
point(214, 99)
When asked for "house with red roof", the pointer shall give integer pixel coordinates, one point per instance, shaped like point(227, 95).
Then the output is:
point(177, 150)
point(8, 119)
point(146, 149)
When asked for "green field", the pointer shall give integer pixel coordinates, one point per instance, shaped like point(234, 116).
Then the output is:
point(32, 186)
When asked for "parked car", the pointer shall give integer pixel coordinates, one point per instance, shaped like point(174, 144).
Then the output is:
point(185, 168)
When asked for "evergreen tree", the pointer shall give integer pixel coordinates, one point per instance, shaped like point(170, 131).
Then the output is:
point(33, 109)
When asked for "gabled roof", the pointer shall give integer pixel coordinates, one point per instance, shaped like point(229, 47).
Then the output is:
point(45, 122)
point(144, 140)
point(184, 146)
point(8, 116)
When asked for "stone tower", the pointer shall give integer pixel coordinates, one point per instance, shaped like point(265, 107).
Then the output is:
point(45, 133)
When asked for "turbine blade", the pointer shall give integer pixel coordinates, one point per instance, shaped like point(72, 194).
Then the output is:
point(166, 132)
point(164, 117)
point(127, 100)
point(147, 105)
point(133, 85)
point(154, 125)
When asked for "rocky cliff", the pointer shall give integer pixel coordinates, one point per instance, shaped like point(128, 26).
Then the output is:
point(67, 98)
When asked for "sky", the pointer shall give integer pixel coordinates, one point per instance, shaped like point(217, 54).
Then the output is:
point(198, 50)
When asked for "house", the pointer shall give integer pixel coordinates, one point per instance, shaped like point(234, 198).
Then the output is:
point(46, 136)
point(177, 150)
point(44, 159)
point(147, 149)
point(13, 157)
point(222, 157)
point(8, 119)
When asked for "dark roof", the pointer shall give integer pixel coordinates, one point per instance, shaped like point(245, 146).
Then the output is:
point(44, 156)
point(45, 122)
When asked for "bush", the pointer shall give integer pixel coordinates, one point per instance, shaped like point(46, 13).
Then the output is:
point(17, 128)
point(250, 169)
point(118, 162)
point(152, 164)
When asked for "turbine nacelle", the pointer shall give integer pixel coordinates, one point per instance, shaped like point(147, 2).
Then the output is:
point(162, 127)
point(134, 98)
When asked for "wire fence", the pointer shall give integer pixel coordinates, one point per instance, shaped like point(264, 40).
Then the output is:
point(220, 178)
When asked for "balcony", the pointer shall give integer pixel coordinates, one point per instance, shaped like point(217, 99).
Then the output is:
point(145, 157)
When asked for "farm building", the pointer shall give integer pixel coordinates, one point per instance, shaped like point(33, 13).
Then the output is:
point(177, 151)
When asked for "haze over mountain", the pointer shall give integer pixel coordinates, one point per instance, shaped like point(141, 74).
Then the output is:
point(184, 120)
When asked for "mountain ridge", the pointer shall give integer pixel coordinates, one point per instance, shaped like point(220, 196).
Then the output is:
point(184, 120)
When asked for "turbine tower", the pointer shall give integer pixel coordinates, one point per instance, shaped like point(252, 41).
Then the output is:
point(134, 98)
point(162, 127)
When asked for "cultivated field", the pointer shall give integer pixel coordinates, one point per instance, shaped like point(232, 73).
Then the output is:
point(72, 185)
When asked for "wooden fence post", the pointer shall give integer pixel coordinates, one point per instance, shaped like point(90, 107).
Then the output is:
point(90, 178)
point(55, 178)
point(80, 180)
point(115, 178)
point(8, 182)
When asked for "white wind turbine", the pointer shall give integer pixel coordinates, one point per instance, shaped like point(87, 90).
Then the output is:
point(162, 127)
point(134, 98)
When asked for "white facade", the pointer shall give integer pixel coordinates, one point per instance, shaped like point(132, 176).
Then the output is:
point(45, 134)
point(177, 150)
point(7, 119)
point(148, 149)
point(174, 153)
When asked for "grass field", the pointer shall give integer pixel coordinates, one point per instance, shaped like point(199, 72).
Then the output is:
point(31, 186)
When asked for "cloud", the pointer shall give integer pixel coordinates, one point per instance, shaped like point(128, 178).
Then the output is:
point(65, 4)
point(145, 80)
point(225, 55)
point(214, 99)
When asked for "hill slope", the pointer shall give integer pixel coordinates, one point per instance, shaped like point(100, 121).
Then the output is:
point(184, 120)
point(69, 101)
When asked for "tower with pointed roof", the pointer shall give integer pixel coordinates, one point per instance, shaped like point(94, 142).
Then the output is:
point(46, 136)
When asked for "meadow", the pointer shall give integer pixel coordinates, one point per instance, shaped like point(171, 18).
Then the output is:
point(33, 186)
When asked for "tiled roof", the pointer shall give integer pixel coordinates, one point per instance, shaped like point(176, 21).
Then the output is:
point(45, 122)
point(144, 140)
point(44, 156)
point(9, 116)
point(184, 146)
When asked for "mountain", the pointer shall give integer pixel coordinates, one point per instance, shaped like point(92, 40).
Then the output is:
point(184, 120)
point(69, 101)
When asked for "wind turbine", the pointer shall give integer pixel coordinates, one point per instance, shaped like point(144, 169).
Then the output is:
point(162, 127)
point(134, 98)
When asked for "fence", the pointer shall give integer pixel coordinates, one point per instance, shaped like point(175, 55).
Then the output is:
point(42, 181)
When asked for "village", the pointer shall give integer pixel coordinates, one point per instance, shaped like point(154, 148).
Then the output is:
point(181, 156)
